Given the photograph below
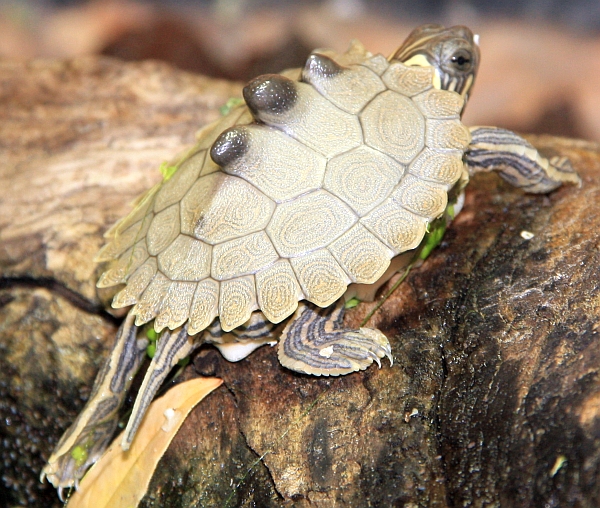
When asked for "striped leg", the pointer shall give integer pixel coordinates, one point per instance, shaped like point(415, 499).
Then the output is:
point(314, 342)
point(85, 441)
point(516, 160)
point(172, 347)
point(258, 327)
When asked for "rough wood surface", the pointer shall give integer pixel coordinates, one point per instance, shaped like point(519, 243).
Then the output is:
point(494, 395)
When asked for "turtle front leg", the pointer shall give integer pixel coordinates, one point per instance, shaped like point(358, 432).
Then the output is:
point(172, 347)
point(89, 435)
point(517, 161)
point(314, 342)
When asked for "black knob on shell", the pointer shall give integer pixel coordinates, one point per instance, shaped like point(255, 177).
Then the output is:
point(230, 145)
point(320, 66)
point(271, 93)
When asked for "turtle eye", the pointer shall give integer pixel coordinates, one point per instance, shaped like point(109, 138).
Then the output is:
point(461, 60)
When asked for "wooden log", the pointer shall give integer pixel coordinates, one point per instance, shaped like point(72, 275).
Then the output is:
point(493, 398)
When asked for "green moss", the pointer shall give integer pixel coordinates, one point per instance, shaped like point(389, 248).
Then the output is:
point(79, 455)
point(353, 302)
point(450, 211)
point(167, 171)
point(151, 349)
point(152, 334)
point(433, 238)
point(231, 103)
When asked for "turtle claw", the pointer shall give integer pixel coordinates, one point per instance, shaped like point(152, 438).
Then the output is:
point(375, 358)
point(565, 170)
point(354, 350)
point(61, 494)
point(61, 491)
point(381, 341)
point(387, 352)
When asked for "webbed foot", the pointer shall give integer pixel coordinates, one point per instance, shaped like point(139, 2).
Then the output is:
point(314, 342)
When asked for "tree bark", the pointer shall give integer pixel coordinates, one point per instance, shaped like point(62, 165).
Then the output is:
point(494, 395)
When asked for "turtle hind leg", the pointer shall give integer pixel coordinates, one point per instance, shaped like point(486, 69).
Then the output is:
point(172, 347)
point(89, 435)
point(517, 161)
point(315, 342)
point(254, 333)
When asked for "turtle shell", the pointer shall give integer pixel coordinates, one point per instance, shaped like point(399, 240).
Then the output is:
point(315, 184)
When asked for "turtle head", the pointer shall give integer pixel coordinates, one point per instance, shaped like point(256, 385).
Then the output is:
point(452, 52)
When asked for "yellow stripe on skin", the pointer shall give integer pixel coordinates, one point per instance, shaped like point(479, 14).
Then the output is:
point(418, 60)
point(467, 86)
point(418, 43)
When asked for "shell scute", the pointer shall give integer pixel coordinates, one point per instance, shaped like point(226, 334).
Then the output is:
point(242, 256)
point(363, 178)
point(398, 228)
point(127, 263)
point(306, 116)
point(207, 212)
point(288, 171)
point(208, 134)
point(136, 284)
point(349, 88)
point(152, 299)
point(406, 80)
point(205, 305)
point(278, 291)
point(122, 241)
point(186, 259)
point(439, 167)
point(310, 222)
point(355, 54)
point(209, 167)
point(447, 135)
point(422, 198)
point(377, 63)
point(237, 300)
point(361, 255)
point(172, 190)
point(440, 103)
point(141, 208)
point(176, 306)
point(322, 279)
point(164, 228)
point(394, 125)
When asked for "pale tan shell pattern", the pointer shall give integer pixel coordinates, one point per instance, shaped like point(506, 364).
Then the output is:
point(319, 186)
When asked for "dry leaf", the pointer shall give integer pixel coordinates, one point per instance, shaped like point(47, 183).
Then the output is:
point(120, 479)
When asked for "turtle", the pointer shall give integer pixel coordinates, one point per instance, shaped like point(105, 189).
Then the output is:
point(316, 183)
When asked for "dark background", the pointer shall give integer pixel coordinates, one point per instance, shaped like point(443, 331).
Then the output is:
point(540, 68)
